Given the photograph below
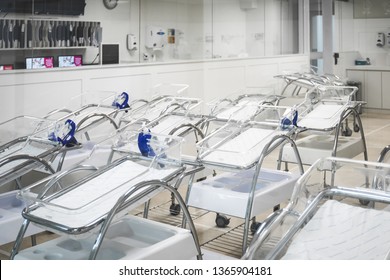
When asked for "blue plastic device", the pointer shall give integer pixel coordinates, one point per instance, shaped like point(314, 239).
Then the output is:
point(289, 120)
point(144, 143)
point(65, 134)
point(122, 101)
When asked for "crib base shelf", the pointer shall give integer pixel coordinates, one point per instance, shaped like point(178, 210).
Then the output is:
point(11, 218)
point(130, 238)
point(228, 193)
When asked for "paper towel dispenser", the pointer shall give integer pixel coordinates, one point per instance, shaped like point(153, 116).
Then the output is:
point(155, 37)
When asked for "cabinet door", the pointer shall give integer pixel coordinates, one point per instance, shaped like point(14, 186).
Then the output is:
point(357, 76)
point(386, 90)
point(373, 89)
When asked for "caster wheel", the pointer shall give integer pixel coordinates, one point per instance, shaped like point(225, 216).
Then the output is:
point(364, 202)
point(347, 132)
point(356, 128)
point(174, 209)
point(201, 179)
point(254, 227)
point(221, 221)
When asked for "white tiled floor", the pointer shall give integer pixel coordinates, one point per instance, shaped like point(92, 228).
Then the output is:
point(377, 132)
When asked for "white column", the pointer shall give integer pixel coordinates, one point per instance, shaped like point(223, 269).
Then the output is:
point(327, 28)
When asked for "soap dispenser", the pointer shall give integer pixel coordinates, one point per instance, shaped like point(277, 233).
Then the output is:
point(380, 42)
point(388, 38)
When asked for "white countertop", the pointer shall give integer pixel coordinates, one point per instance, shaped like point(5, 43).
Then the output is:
point(369, 67)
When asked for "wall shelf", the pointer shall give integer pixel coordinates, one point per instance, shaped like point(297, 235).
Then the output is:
point(46, 37)
point(45, 48)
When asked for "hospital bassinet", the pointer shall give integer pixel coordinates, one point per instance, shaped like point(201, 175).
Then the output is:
point(321, 123)
point(247, 189)
point(84, 201)
point(325, 220)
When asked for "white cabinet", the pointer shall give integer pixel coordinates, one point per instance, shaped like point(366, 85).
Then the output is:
point(375, 87)
point(386, 90)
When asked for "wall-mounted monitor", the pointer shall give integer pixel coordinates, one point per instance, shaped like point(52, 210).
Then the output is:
point(110, 54)
point(6, 67)
point(39, 62)
point(70, 60)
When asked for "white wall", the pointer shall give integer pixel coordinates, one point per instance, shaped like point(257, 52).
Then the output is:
point(356, 38)
point(38, 92)
point(365, 36)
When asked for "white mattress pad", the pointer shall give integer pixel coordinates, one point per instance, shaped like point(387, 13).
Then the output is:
point(242, 150)
point(343, 232)
point(170, 122)
point(323, 116)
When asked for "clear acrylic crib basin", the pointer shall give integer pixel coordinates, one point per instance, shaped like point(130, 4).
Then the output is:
point(313, 147)
point(338, 210)
point(91, 200)
point(129, 238)
point(11, 219)
point(228, 193)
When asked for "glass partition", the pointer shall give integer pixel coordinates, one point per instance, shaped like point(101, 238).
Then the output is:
point(58, 33)
point(219, 28)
